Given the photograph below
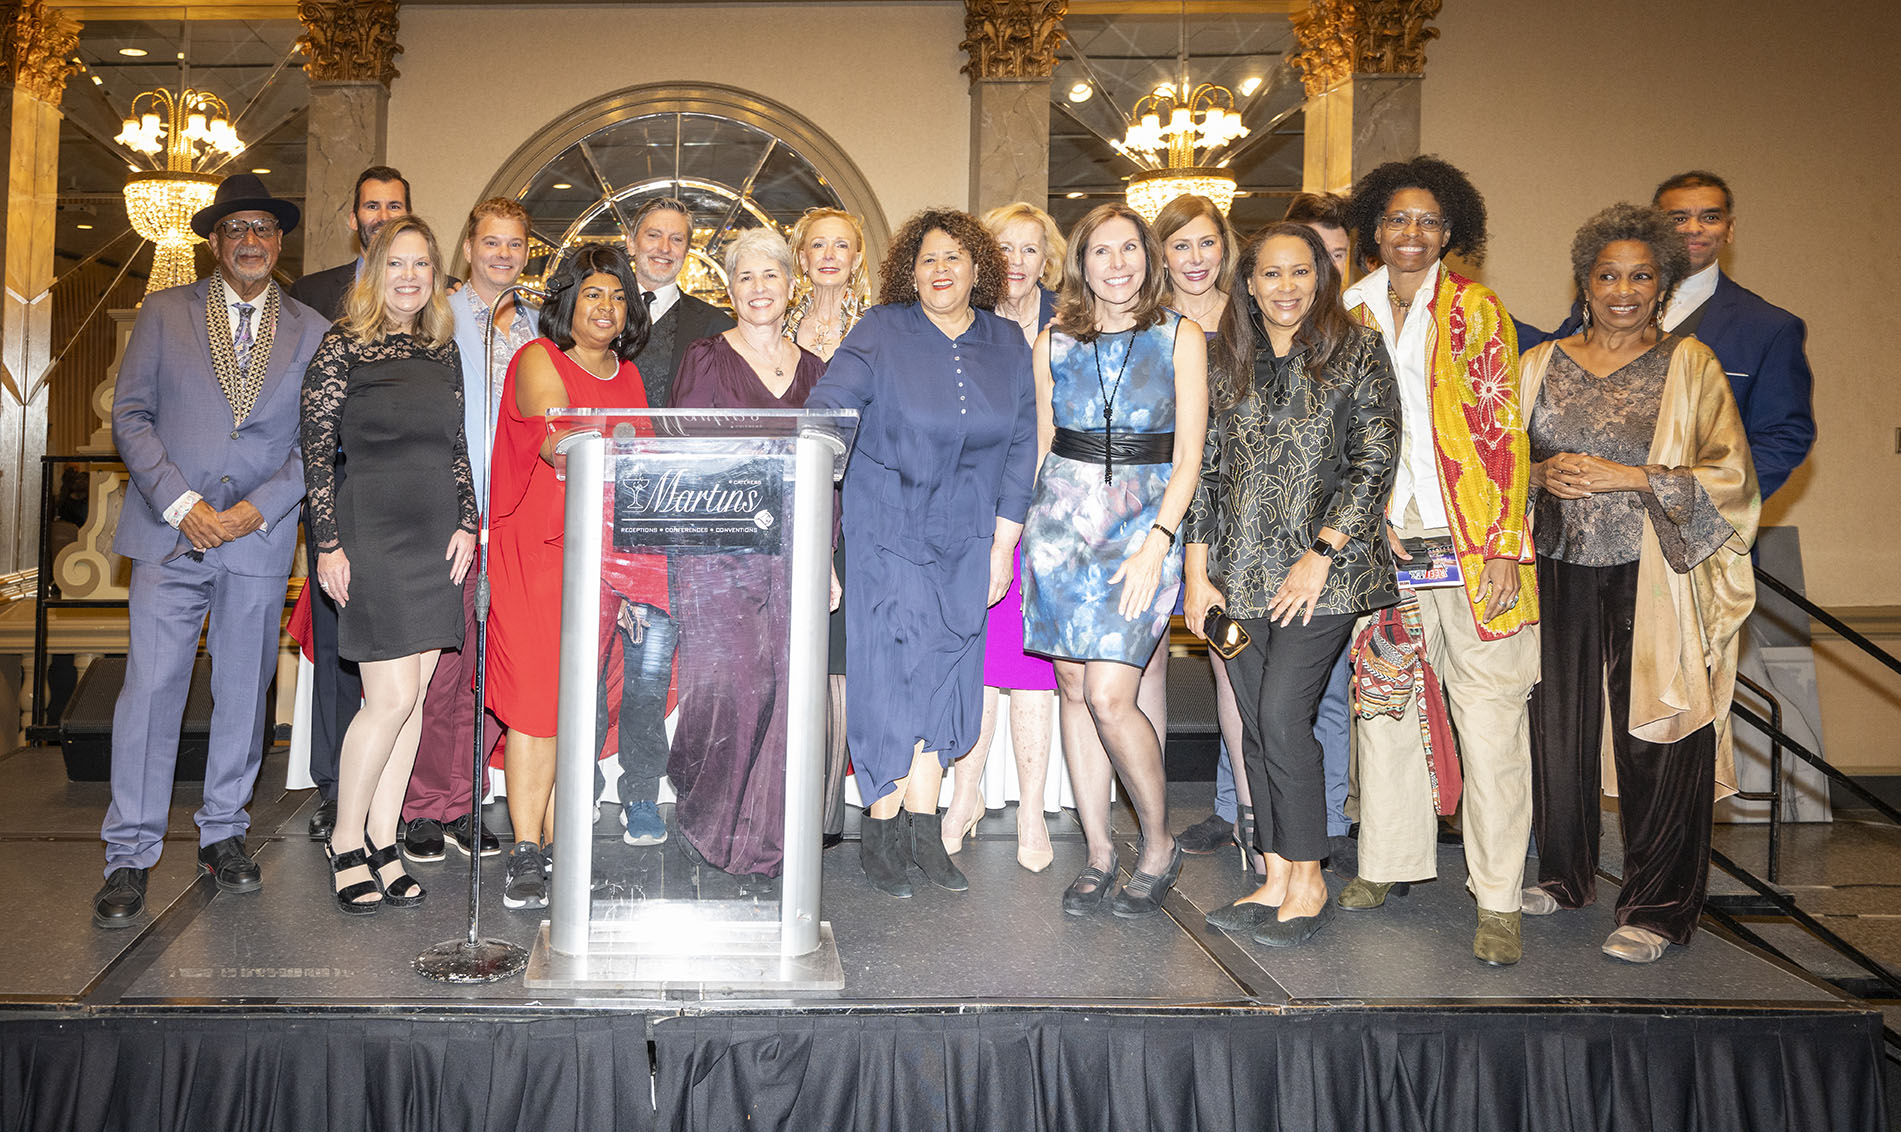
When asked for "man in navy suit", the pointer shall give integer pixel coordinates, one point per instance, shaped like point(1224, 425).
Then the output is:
point(382, 194)
point(1760, 345)
point(205, 418)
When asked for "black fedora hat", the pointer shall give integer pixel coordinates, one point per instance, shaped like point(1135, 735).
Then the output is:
point(244, 192)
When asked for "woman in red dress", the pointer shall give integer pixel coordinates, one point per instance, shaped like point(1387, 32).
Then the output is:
point(588, 336)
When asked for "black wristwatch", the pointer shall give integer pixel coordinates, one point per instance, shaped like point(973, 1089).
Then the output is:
point(1322, 547)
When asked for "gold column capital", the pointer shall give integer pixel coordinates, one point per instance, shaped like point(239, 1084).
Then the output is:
point(36, 48)
point(1340, 38)
point(1012, 39)
point(349, 40)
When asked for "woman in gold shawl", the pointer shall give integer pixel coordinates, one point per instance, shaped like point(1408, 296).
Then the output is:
point(1645, 506)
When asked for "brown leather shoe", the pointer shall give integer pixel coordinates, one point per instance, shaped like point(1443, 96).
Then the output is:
point(1498, 941)
point(1362, 895)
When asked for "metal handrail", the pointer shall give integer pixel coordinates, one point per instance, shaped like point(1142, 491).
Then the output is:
point(1825, 617)
point(1773, 795)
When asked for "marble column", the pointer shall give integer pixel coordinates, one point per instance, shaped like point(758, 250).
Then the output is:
point(1009, 142)
point(349, 132)
point(1012, 51)
point(35, 45)
point(1357, 125)
point(1362, 62)
point(349, 51)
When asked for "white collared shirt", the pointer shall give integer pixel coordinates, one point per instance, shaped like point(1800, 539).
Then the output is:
point(1691, 294)
point(663, 300)
point(1416, 477)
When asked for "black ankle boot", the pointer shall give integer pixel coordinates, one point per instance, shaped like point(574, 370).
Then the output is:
point(886, 854)
point(927, 851)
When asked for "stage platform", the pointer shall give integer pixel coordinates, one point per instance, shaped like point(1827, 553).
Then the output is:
point(986, 1010)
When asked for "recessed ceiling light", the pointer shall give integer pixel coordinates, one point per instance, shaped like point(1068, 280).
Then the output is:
point(83, 227)
point(260, 172)
point(134, 52)
point(562, 185)
point(97, 81)
point(1081, 92)
point(181, 54)
point(1250, 84)
point(1073, 196)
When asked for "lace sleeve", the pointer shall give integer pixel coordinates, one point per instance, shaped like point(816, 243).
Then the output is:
point(459, 462)
point(326, 383)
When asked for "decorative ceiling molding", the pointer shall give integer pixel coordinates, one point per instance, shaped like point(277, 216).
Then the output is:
point(1012, 39)
point(349, 40)
point(36, 48)
point(1342, 38)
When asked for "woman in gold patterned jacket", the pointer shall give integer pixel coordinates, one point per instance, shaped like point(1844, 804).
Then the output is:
point(1287, 536)
point(1646, 506)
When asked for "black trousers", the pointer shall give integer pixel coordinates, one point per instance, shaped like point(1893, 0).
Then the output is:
point(1278, 681)
point(336, 687)
point(1666, 791)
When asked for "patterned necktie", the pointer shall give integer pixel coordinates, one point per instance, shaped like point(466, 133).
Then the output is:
point(241, 342)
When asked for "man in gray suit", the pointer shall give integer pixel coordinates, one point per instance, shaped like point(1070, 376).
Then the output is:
point(206, 419)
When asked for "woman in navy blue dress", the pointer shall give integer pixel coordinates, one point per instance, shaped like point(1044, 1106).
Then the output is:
point(935, 495)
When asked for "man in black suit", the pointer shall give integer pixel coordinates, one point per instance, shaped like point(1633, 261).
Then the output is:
point(382, 194)
point(658, 244)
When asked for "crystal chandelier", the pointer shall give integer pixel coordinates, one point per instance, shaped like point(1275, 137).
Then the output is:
point(1173, 134)
point(188, 128)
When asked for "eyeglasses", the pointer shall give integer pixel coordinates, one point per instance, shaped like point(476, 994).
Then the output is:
point(1424, 221)
point(238, 229)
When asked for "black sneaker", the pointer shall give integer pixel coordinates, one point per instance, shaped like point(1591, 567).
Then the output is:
point(458, 831)
point(422, 840)
point(525, 886)
point(1206, 836)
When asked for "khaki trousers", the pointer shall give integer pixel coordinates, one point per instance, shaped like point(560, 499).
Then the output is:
point(1488, 683)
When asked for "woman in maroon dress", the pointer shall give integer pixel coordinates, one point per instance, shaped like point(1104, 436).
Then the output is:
point(728, 758)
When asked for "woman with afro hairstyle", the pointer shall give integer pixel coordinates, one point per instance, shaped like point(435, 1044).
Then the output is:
point(1460, 487)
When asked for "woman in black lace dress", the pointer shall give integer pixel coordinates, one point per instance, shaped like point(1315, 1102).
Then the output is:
point(395, 531)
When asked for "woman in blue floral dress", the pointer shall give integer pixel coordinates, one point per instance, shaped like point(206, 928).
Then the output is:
point(1122, 407)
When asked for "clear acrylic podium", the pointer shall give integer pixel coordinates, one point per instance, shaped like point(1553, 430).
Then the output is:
point(707, 533)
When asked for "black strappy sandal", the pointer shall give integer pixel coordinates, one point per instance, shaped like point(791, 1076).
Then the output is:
point(403, 892)
point(347, 897)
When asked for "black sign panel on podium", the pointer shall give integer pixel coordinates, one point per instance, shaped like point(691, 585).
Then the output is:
point(705, 505)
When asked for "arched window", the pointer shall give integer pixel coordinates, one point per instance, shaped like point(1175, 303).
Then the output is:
point(736, 159)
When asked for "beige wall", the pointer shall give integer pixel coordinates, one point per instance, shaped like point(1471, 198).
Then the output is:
point(1557, 109)
point(880, 78)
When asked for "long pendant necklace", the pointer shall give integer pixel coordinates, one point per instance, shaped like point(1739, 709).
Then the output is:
point(1109, 400)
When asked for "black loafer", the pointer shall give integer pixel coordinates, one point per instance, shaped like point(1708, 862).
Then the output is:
point(1240, 916)
point(458, 831)
point(1079, 900)
point(324, 819)
point(1292, 933)
point(1143, 895)
point(121, 900)
point(230, 866)
point(422, 840)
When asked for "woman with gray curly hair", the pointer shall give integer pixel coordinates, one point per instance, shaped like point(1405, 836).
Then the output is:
point(1644, 508)
point(727, 759)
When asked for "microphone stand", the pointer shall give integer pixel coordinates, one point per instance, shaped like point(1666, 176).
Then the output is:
point(474, 959)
